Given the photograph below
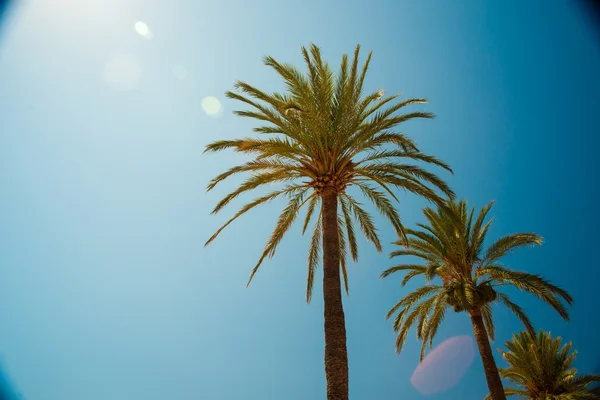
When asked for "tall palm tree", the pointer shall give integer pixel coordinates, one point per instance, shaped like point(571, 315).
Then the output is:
point(320, 138)
point(452, 248)
point(543, 370)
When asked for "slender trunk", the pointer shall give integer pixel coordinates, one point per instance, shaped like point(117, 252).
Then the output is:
point(487, 357)
point(336, 355)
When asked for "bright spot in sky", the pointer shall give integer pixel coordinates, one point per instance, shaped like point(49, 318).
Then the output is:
point(445, 366)
point(179, 71)
point(212, 106)
point(122, 72)
point(143, 30)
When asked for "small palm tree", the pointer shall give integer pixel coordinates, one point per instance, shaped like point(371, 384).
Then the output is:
point(322, 137)
point(452, 247)
point(542, 369)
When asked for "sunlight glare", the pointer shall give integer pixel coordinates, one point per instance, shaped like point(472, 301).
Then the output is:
point(212, 106)
point(143, 30)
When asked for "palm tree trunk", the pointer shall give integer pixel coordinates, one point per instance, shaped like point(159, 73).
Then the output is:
point(487, 357)
point(336, 354)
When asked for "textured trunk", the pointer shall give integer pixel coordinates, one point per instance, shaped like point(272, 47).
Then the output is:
point(336, 355)
point(487, 357)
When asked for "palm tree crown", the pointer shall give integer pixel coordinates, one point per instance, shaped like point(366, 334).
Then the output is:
point(318, 139)
point(542, 369)
point(322, 136)
point(452, 247)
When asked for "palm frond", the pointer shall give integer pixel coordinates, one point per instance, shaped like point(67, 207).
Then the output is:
point(541, 368)
point(488, 321)
point(439, 313)
point(285, 221)
point(261, 200)
point(508, 244)
point(450, 247)
point(414, 297)
point(533, 284)
point(353, 245)
point(404, 326)
point(343, 253)
point(364, 221)
point(324, 133)
point(384, 206)
point(254, 182)
point(314, 256)
point(404, 267)
point(309, 212)
point(518, 311)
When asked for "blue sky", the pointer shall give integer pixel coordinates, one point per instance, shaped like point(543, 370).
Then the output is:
point(106, 291)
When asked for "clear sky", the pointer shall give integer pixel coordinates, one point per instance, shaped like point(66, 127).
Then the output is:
point(106, 291)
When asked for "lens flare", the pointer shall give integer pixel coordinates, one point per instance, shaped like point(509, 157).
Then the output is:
point(142, 29)
point(445, 366)
point(212, 106)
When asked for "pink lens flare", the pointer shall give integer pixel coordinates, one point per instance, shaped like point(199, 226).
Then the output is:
point(445, 366)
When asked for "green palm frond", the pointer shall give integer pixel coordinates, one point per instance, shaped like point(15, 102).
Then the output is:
point(511, 392)
point(384, 206)
point(486, 313)
point(509, 243)
point(343, 252)
point(533, 284)
point(451, 247)
point(437, 317)
point(365, 221)
point(254, 182)
point(353, 245)
point(410, 252)
point(541, 367)
point(413, 270)
point(405, 171)
point(261, 200)
point(309, 212)
point(314, 257)
point(323, 135)
point(517, 310)
point(252, 166)
point(285, 221)
point(402, 326)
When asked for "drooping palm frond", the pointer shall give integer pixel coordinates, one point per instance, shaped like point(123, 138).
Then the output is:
point(325, 134)
point(451, 247)
point(531, 283)
point(542, 368)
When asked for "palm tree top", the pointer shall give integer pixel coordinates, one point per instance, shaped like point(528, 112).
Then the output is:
point(542, 368)
point(320, 137)
point(451, 245)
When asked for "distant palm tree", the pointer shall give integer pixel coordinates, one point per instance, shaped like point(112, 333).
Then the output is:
point(451, 244)
point(321, 137)
point(542, 369)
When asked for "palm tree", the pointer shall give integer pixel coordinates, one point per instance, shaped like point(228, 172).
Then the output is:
point(452, 247)
point(542, 369)
point(321, 137)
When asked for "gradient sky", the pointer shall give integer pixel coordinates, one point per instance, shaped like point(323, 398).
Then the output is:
point(106, 291)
